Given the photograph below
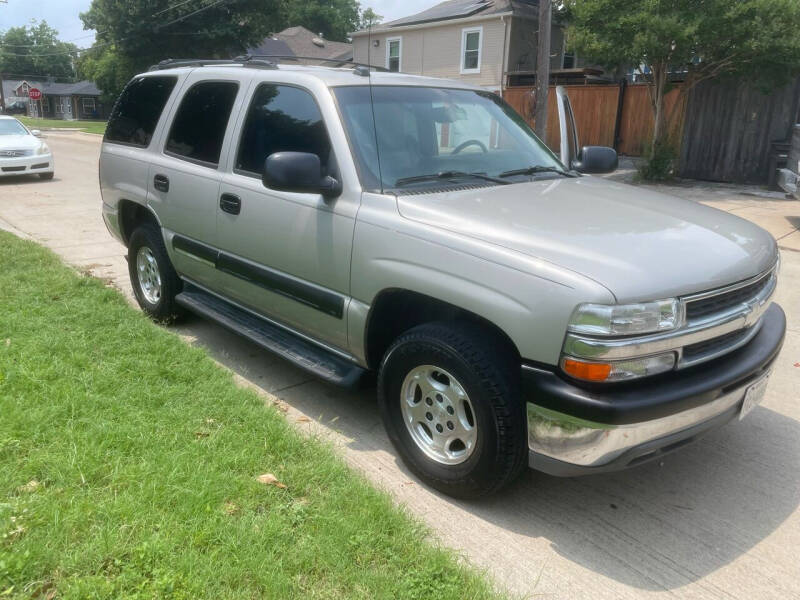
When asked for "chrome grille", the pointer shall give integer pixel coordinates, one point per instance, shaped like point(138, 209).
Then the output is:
point(717, 303)
point(15, 153)
point(714, 345)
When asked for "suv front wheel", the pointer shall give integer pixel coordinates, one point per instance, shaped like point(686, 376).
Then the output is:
point(154, 280)
point(450, 402)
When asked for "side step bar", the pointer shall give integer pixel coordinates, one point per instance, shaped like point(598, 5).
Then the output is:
point(309, 357)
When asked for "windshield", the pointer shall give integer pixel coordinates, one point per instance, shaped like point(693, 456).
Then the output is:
point(12, 127)
point(431, 137)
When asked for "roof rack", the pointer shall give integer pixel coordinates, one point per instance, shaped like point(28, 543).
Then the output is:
point(245, 60)
point(260, 61)
point(359, 67)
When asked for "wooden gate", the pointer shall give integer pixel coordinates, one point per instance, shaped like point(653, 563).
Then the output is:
point(730, 130)
point(602, 119)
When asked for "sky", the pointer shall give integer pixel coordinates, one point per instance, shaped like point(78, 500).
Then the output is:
point(63, 14)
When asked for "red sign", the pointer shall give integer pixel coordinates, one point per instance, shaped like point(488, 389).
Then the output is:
point(34, 94)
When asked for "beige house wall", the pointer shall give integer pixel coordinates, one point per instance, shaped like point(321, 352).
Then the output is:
point(435, 50)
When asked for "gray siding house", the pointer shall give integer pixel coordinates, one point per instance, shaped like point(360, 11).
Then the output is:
point(491, 43)
point(68, 101)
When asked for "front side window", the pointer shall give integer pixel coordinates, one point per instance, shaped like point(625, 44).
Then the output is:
point(393, 54)
point(199, 126)
point(138, 109)
point(281, 118)
point(471, 50)
point(422, 132)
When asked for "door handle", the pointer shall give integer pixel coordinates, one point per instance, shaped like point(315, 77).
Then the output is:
point(161, 183)
point(230, 203)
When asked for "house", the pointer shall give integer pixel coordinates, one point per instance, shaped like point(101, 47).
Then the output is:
point(492, 43)
point(67, 101)
point(299, 41)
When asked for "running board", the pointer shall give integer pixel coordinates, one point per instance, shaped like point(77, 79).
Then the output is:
point(302, 353)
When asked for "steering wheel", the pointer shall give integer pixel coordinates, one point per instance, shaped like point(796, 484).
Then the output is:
point(463, 145)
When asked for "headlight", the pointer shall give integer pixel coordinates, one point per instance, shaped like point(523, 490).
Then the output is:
point(626, 319)
point(43, 149)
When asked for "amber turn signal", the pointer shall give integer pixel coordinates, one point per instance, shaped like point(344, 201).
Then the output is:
point(586, 370)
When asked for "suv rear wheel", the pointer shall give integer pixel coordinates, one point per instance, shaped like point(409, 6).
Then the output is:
point(154, 280)
point(450, 402)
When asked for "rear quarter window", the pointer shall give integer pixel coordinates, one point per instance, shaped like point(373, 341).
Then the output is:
point(135, 115)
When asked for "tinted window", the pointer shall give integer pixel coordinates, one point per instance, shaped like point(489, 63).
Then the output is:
point(201, 120)
point(137, 110)
point(281, 118)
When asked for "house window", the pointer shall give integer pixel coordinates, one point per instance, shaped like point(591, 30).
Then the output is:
point(393, 50)
point(471, 50)
point(88, 105)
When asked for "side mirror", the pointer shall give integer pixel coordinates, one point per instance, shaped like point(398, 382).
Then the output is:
point(36, 132)
point(299, 172)
point(596, 159)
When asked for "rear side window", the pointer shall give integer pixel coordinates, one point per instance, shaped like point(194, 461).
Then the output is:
point(137, 110)
point(199, 126)
point(281, 118)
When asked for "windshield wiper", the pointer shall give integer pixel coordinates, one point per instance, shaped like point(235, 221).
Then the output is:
point(537, 169)
point(448, 175)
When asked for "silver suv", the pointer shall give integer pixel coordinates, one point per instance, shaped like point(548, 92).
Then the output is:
point(516, 310)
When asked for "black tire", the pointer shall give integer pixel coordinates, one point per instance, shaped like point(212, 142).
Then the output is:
point(165, 309)
point(46, 175)
point(489, 373)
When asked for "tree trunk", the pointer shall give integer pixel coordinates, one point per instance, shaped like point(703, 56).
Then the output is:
point(542, 69)
point(660, 72)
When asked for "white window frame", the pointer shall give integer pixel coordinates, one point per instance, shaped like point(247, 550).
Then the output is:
point(461, 58)
point(399, 40)
point(83, 104)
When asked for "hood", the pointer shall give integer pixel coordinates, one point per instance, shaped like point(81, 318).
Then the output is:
point(18, 142)
point(641, 245)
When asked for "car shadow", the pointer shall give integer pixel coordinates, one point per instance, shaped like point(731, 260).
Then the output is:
point(659, 526)
point(25, 179)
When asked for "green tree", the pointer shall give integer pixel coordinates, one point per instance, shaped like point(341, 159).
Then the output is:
point(109, 69)
point(754, 39)
point(134, 34)
point(334, 19)
point(369, 18)
point(36, 50)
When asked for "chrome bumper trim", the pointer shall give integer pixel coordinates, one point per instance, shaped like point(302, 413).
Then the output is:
point(587, 444)
point(743, 316)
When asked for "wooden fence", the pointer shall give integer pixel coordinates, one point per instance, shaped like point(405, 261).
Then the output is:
point(722, 132)
point(602, 119)
point(730, 131)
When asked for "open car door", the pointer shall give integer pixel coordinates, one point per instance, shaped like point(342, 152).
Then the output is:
point(586, 159)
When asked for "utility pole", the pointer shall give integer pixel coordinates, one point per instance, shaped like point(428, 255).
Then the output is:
point(2, 96)
point(543, 68)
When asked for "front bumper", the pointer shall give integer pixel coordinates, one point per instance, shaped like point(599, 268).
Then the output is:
point(576, 430)
point(26, 165)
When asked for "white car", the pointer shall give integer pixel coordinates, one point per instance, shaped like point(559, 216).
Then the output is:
point(22, 152)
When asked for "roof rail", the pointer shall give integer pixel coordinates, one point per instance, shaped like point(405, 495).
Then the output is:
point(245, 60)
point(339, 61)
point(259, 61)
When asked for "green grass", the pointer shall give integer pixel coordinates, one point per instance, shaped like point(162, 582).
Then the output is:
point(88, 126)
point(128, 466)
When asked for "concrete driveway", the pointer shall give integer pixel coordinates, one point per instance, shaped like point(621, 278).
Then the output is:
point(718, 519)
